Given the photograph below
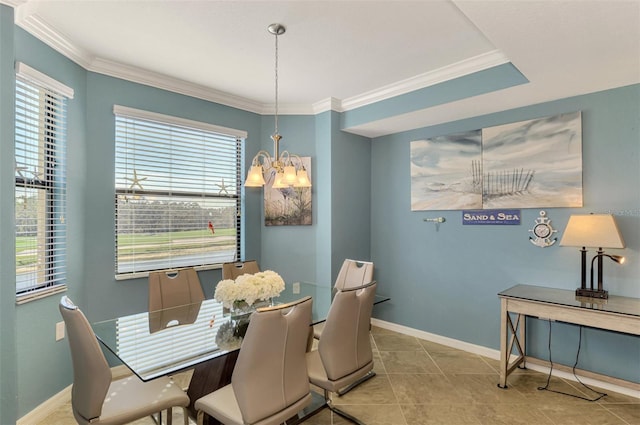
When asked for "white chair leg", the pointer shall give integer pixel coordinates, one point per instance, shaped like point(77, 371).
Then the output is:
point(200, 417)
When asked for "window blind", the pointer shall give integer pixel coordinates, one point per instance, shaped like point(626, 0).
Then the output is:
point(177, 192)
point(40, 183)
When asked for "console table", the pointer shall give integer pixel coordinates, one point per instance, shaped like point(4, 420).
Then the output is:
point(621, 314)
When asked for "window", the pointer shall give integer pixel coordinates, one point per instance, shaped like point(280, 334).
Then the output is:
point(40, 183)
point(177, 192)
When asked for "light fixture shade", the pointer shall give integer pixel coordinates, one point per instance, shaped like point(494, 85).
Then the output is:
point(592, 230)
point(254, 177)
point(290, 177)
point(303, 178)
point(279, 182)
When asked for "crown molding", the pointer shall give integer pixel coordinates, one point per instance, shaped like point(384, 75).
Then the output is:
point(13, 3)
point(450, 72)
point(161, 81)
point(36, 26)
point(328, 104)
point(288, 109)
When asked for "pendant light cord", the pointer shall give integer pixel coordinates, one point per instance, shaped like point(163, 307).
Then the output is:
point(276, 74)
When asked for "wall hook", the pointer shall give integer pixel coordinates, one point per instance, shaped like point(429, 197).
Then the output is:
point(435, 220)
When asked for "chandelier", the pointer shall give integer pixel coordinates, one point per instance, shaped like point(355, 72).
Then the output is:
point(290, 170)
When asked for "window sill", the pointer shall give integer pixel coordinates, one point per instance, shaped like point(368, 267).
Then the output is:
point(40, 293)
point(138, 275)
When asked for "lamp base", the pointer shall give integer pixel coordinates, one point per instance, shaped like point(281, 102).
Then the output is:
point(593, 293)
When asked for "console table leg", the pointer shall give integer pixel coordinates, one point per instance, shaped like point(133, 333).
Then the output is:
point(504, 343)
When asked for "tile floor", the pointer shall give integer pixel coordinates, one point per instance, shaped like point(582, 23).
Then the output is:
point(422, 383)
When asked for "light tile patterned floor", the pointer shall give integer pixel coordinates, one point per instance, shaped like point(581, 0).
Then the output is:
point(422, 383)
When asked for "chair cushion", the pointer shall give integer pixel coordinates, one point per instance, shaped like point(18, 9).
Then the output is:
point(223, 406)
point(130, 398)
point(318, 375)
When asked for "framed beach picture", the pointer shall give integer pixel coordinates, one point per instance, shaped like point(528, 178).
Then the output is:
point(290, 206)
point(527, 164)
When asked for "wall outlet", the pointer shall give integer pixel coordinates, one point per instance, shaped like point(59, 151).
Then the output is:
point(59, 331)
point(296, 287)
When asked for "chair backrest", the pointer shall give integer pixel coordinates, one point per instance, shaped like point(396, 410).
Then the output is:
point(354, 273)
point(238, 268)
point(271, 371)
point(174, 288)
point(345, 346)
point(91, 373)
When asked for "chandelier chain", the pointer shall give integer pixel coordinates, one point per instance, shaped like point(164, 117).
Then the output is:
point(276, 75)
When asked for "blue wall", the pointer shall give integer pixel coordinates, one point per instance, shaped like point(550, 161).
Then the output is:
point(444, 279)
point(361, 209)
point(8, 350)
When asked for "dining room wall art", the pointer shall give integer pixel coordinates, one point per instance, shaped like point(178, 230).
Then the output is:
point(290, 206)
point(527, 164)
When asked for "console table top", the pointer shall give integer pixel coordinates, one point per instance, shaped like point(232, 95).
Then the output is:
point(614, 304)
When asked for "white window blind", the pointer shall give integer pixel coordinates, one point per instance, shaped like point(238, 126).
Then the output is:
point(177, 192)
point(40, 183)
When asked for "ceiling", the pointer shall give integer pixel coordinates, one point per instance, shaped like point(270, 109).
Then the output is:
point(344, 54)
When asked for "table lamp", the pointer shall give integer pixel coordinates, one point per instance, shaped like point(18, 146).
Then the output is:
point(596, 231)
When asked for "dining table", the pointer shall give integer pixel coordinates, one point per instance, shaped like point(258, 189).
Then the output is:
point(205, 337)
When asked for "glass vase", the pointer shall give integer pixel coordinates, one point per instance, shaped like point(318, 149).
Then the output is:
point(240, 309)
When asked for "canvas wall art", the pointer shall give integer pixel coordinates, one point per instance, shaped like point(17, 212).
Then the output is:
point(528, 164)
point(533, 164)
point(442, 172)
point(289, 206)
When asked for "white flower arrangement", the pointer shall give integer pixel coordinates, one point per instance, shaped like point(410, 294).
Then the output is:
point(249, 288)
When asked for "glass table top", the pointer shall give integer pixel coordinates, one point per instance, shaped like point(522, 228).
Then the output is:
point(566, 297)
point(158, 343)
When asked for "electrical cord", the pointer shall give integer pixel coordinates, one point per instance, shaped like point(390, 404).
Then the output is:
point(546, 387)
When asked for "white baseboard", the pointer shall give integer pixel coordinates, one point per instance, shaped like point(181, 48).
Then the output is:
point(46, 408)
point(49, 406)
point(495, 354)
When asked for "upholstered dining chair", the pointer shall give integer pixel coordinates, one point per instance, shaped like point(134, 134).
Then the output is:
point(352, 273)
point(98, 399)
point(269, 382)
point(174, 298)
point(237, 268)
point(174, 288)
point(344, 357)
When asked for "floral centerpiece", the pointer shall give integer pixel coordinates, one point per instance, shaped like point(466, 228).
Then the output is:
point(249, 288)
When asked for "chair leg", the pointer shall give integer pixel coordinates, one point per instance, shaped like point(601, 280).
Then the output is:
point(200, 417)
point(169, 416)
point(340, 412)
point(185, 413)
point(351, 386)
point(157, 421)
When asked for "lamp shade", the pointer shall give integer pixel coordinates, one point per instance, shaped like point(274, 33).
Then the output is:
point(279, 181)
point(303, 178)
point(592, 230)
point(255, 178)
